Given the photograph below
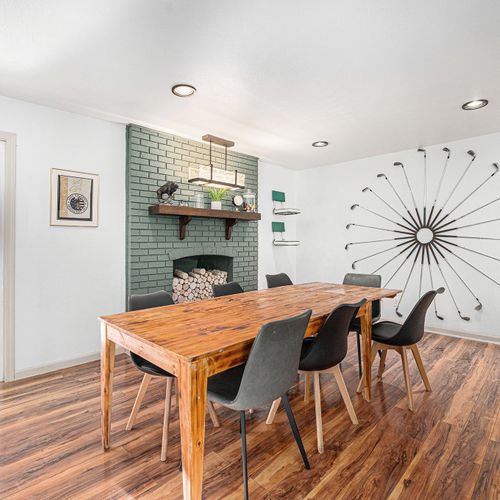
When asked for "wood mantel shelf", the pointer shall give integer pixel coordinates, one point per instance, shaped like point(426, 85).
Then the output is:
point(185, 215)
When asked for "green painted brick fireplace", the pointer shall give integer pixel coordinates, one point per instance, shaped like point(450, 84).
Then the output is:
point(153, 241)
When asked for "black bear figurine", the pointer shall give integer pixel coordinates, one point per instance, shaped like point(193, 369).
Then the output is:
point(169, 188)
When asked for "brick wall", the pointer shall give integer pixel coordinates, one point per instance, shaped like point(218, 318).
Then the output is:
point(153, 241)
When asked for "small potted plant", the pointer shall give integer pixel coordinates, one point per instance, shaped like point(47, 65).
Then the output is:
point(216, 197)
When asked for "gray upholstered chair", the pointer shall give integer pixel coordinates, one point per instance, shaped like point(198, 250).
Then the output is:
point(150, 370)
point(281, 279)
point(227, 289)
point(388, 335)
point(269, 372)
point(369, 280)
point(323, 353)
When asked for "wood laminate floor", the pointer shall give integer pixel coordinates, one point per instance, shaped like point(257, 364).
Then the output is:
point(449, 448)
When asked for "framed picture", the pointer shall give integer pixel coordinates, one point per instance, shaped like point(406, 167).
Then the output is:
point(73, 198)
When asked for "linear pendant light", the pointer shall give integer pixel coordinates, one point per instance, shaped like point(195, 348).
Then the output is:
point(208, 175)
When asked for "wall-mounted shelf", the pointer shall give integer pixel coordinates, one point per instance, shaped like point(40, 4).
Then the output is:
point(186, 214)
point(287, 211)
point(279, 229)
point(286, 243)
point(281, 209)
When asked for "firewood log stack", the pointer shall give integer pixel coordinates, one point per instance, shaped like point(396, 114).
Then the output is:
point(196, 285)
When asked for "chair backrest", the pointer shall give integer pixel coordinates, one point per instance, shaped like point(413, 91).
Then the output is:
point(281, 279)
point(227, 289)
point(412, 329)
point(370, 280)
point(329, 347)
point(273, 361)
point(148, 300)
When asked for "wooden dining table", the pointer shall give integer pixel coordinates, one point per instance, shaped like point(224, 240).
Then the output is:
point(196, 340)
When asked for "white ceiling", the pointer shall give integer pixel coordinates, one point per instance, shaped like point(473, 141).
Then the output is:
point(273, 75)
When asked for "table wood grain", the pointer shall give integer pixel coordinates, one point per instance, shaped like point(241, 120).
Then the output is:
point(196, 340)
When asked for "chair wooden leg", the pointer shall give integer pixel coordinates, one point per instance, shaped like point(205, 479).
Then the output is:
point(317, 410)
point(307, 384)
point(374, 353)
point(381, 367)
point(272, 411)
point(166, 419)
point(421, 368)
point(138, 400)
point(406, 371)
point(345, 394)
point(213, 414)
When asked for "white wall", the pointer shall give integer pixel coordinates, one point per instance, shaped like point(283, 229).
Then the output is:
point(326, 194)
point(2, 181)
point(273, 260)
point(65, 276)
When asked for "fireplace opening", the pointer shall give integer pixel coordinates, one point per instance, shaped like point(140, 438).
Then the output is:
point(194, 276)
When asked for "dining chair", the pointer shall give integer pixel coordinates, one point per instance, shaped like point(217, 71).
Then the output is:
point(281, 279)
point(323, 353)
point(150, 370)
point(267, 375)
point(227, 289)
point(369, 280)
point(388, 335)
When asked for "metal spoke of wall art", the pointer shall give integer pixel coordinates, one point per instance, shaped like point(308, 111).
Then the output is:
point(428, 230)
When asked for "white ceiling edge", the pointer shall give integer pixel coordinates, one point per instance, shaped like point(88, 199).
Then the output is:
point(393, 155)
point(183, 131)
point(411, 147)
point(188, 132)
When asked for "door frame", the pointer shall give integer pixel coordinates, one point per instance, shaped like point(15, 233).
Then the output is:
point(8, 237)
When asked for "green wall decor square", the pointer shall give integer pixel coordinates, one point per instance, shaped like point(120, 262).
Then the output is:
point(278, 227)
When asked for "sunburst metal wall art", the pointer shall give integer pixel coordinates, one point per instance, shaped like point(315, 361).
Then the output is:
point(426, 234)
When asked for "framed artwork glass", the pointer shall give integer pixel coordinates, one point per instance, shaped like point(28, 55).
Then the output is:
point(73, 198)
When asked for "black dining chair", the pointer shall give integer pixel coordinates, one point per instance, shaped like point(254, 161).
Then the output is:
point(267, 375)
point(388, 335)
point(281, 279)
point(372, 281)
point(227, 289)
point(150, 370)
point(323, 353)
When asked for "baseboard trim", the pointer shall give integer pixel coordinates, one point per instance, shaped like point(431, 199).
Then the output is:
point(478, 337)
point(60, 365)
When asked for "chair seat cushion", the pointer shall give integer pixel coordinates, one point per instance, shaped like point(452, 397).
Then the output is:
point(385, 331)
point(223, 387)
point(147, 367)
point(356, 324)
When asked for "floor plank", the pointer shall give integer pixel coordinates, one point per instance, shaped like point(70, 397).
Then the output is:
point(448, 448)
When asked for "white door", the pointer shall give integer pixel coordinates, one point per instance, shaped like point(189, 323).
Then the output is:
point(2, 193)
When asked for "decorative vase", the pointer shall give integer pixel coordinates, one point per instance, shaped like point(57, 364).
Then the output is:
point(216, 205)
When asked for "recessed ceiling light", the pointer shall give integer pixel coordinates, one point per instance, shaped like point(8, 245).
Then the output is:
point(183, 90)
point(476, 104)
point(320, 144)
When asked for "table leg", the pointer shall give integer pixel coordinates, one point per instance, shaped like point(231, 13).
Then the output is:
point(366, 334)
point(192, 382)
point(107, 368)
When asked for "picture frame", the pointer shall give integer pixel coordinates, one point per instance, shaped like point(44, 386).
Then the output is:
point(74, 198)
